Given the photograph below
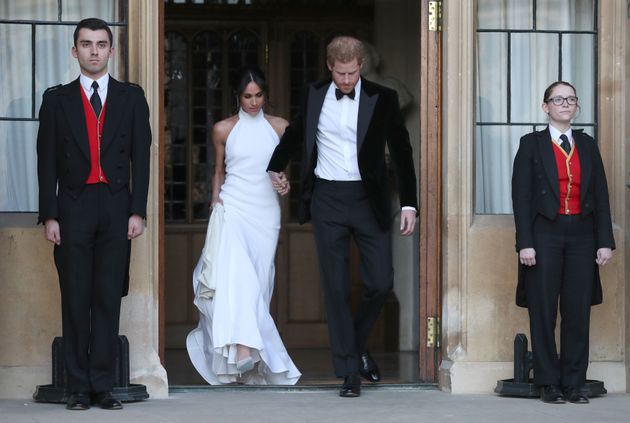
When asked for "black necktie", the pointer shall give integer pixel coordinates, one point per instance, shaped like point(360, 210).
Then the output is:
point(339, 94)
point(565, 144)
point(95, 100)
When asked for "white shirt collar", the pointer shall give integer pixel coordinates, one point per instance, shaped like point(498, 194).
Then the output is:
point(555, 134)
point(86, 83)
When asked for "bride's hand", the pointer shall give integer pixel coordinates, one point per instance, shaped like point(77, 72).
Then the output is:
point(213, 203)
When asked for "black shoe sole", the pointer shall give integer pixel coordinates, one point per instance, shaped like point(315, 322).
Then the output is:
point(369, 378)
point(556, 401)
point(349, 395)
point(78, 407)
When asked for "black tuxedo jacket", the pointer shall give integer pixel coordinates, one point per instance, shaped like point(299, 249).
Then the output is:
point(63, 146)
point(536, 190)
point(379, 123)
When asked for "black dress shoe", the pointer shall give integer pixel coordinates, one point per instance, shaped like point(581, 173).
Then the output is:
point(106, 401)
point(351, 387)
point(78, 401)
point(368, 368)
point(576, 396)
point(551, 394)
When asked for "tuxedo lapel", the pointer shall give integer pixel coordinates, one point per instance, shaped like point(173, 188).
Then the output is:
point(73, 107)
point(586, 167)
point(115, 108)
point(367, 103)
point(545, 147)
point(316, 97)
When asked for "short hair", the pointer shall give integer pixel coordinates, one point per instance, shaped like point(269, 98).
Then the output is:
point(247, 75)
point(554, 85)
point(93, 24)
point(344, 49)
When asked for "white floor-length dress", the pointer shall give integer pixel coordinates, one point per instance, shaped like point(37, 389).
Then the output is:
point(238, 310)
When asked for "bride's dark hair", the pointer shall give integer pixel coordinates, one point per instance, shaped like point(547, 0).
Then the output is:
point(247, 75)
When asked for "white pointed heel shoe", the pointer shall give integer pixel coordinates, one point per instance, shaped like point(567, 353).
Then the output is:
point(245, 365)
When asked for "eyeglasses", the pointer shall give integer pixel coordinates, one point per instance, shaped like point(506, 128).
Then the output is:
point(559, 101)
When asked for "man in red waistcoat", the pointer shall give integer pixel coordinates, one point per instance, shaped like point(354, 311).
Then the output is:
point(93, 169)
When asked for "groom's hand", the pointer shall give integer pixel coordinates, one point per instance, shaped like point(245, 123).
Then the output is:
point(279, 182)
point(407, 222)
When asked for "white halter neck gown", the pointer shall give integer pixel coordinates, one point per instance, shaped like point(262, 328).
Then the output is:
point(238, 312)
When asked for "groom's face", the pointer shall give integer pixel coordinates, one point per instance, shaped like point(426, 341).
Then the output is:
point(345, 75)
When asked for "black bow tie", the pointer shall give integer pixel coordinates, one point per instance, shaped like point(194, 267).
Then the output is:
point(339, 94)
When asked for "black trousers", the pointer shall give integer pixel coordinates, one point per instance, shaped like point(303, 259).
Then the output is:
point(91, 262)
point(340, 211)
point(564, 271)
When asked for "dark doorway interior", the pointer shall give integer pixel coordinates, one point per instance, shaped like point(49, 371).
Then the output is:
point(206, 43)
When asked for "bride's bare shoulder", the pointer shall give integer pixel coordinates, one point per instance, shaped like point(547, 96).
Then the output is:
point(222, 128)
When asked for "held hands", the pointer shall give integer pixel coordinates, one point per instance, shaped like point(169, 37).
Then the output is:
point(407, 222)
point(603, 256)
point(135, 226)
point(51, 231)
point(279, 182)
point(527, 256)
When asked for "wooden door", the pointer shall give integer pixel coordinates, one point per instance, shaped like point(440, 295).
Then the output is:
point(430, 190)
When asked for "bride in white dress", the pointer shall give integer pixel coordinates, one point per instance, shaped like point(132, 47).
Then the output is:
point(236, 339)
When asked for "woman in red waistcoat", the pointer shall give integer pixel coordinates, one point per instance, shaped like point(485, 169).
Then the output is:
point(563, 233)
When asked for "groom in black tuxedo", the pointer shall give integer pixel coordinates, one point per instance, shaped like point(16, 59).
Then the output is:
point(94, 139)
point(342, 130)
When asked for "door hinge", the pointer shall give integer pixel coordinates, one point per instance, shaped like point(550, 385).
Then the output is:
point(433, 332)
point(435, 16)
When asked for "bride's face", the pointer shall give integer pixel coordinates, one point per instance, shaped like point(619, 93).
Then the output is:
point(252, 99)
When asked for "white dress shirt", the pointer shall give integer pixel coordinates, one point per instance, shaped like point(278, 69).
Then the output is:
point(337, 155)
point(337, 137)
point(103, 82)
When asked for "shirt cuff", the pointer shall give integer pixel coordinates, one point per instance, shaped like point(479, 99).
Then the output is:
point(408, 208)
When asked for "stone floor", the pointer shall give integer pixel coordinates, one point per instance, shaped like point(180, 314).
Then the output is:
point(377, 404)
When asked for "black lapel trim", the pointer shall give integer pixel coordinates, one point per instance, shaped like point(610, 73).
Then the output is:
point(545, 148)
point(316, 96)
point(116, 104)
point(73, 107)
point(586, 164)
point(367, 104)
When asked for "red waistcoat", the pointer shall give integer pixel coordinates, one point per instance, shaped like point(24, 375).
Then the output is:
point(95, 135)
point(569, 176)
